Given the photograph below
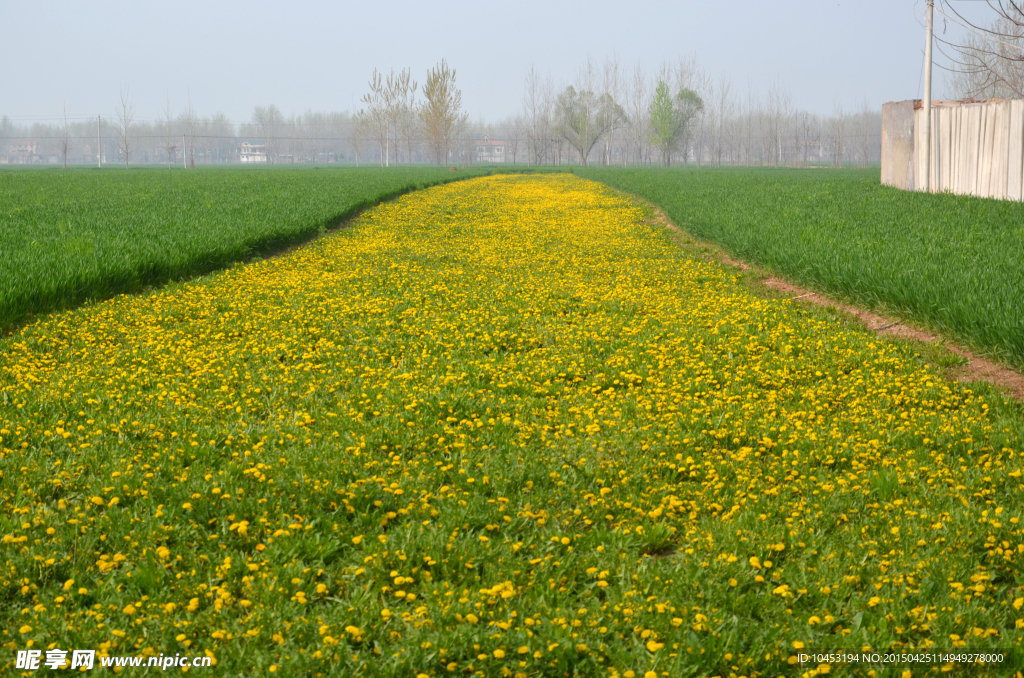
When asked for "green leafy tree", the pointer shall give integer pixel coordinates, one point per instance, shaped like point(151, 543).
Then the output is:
point(672, 119)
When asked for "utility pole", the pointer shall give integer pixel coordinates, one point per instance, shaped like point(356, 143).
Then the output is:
point(928, 98)
point(99, 145)
point(184, 163)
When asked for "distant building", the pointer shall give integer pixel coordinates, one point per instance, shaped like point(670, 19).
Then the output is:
point(488, 150)
point(249, 152)
point(23, 152)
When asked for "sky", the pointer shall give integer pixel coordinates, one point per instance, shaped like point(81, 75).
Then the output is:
point(300, 55)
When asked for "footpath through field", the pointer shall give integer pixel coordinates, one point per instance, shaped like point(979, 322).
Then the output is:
point(499, 427)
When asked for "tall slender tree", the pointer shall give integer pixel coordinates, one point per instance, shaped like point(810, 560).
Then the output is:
point(125, 113)
point(170, 138)
point(64, 138)
point(441, 114)
point(376, 113)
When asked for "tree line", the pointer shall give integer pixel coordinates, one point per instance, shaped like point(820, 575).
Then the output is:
point(675, 114)
point(679, 114)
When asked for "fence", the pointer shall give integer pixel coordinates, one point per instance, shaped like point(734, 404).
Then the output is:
point(977, 147)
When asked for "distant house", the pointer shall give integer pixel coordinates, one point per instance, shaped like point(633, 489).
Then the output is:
point(489, 150)
point(249, 152)
point(23, 152)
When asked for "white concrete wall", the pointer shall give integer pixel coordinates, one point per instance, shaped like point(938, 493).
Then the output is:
point(976, 149)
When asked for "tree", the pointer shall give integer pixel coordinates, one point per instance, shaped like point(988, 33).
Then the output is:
point(441, 114)
point(191, 120)
point(514, 132)
point(401, 106)
point(125, 114)
point(357, 134)
point(612, 87)
point(537, 111)
point(268, 120)
point(837, 136)
point(638, 120)
point(672, 118)
point(720, 125)
point(64, 138)
point(169, 137)
point(989, 63)
point(376, 114)
point(778, 112)
point(220, 133)
point(584, 117)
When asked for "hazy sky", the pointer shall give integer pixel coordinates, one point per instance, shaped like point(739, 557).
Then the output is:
point(302, 55)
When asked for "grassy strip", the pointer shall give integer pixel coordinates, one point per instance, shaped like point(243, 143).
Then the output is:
point(499, 427)
point(955, 263)
point(80, 235)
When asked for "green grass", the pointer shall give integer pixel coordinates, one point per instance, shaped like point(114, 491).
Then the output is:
point(67, 237)
point(954, 263)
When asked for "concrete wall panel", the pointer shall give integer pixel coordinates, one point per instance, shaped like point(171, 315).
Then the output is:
point(977, 148)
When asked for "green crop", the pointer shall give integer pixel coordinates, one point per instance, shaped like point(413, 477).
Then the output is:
point(955, 263)
point(71, 237)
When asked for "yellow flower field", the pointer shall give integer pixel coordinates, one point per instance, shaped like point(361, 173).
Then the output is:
point(498, 427)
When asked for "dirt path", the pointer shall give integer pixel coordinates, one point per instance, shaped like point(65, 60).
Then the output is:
point(972, 367)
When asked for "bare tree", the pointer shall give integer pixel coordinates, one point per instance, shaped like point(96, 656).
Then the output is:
point(268, 121)
point(221, 132)
point(441, 114)
point(514, 131)
point(611, 88)
point(125, 114)
point(537, 109)
point(989, 63)
point(191, 120)
point(401, 109)
point(639, 102)
point(723, 111)
point(64, 138)
point(705, 89)
point(779, 104)
point(358, 133)
point(377, 114)
point(837, 136)
point(865, 137)
point(169, 137)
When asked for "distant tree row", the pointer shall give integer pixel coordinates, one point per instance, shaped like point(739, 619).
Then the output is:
point(607, 115)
